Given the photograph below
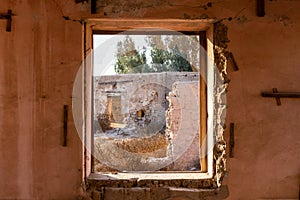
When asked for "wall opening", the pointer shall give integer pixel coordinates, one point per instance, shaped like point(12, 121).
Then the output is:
point(141, 99)
point(210, 173)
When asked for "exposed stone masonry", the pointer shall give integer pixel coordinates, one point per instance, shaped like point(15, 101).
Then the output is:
point(147, 105)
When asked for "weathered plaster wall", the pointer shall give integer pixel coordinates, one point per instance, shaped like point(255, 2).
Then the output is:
point(266, 162)
point(40, 57)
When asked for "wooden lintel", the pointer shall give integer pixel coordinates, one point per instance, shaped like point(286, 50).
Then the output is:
point(159, 24)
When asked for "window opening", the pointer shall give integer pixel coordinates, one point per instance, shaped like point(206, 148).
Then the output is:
point(146, 102)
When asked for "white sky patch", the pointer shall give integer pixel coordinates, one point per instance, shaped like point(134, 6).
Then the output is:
point(105, 51)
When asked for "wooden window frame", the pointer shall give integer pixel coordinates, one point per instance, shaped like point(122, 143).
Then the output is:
point(204, 179)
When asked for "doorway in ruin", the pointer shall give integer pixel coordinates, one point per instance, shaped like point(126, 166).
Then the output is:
point(146, 102)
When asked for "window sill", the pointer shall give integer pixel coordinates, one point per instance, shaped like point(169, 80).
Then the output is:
point(152, 179)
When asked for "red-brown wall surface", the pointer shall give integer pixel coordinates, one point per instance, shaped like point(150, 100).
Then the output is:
point(40, 57)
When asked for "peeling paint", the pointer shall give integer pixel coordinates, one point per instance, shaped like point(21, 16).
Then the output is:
point(220, 44)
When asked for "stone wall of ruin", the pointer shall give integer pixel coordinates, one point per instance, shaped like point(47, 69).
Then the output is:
point(168, 129)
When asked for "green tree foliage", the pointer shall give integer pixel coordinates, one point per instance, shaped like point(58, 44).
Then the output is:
point(172, 60)
point(128, 58)
point(163, 57)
